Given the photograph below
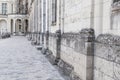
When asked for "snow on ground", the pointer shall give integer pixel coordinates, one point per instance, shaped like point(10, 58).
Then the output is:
point(21, 61)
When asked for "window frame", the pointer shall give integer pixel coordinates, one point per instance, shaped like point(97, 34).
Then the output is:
point(4, 8)
point(54, 12)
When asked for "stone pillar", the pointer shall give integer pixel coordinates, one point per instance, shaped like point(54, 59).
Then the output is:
point(58, 46)
point(88, 37)
point(23, 25)
point(14, 26)
point(47, 39)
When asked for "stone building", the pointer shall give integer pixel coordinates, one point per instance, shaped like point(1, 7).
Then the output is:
point(80, 36)
point(72, 16)
point(13, 16)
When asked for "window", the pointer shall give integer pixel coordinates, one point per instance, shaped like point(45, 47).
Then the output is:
point(54, 12)
point(4, 8)
point(115, 17)
point(116, 4)
point(116, 21)
point(11, 8)
point(26, 7)
point(114, 1)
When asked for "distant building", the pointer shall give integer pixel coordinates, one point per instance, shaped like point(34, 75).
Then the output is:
point(13, 16)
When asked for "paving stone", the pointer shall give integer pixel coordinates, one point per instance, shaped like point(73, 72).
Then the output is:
point(19, 60)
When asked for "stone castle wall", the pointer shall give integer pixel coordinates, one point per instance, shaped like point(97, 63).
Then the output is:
point(107, 58)
point(73, 54)
point(82, 57)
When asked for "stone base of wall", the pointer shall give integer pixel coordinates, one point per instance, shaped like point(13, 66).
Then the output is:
point(51, 58)
point(43, 50)
point(29, 38)
point(107, 57)
point(34, 43)
point(65, 68)
point(39, 47)
point(68, 70)
point(74, 76)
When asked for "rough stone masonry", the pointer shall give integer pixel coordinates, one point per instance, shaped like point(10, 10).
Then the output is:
point(82, 57)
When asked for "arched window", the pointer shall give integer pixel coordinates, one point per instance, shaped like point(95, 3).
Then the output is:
point(3, 26)
point(115, 17)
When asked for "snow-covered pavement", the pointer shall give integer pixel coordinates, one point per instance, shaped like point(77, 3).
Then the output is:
point(21, 61)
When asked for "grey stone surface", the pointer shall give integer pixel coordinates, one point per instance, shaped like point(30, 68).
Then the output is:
point(72, 45)
point(79, 42)
point(74, 76)
point(51, 57)
point(108, 39)
point(19, 60)
point(88, 34)
point(67, 68)
point(107, 47)
point(85, 34)
point(52, 34)
point(107, 57)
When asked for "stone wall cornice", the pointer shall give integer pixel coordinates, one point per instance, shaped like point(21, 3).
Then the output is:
point(86, 34)
point(108, 39)
point(70, 35)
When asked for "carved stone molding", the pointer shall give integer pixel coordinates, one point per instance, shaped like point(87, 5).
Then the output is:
point(108, 39)
point(86, 34)
point(70, 35)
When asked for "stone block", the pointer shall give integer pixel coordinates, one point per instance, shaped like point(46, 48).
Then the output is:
point(67, 68)
point(74, 76)
point(51, 58)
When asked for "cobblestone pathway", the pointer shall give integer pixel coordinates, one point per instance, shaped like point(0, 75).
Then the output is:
point(21, 61)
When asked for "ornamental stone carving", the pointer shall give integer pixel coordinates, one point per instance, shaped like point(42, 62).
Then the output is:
point(108, 39)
